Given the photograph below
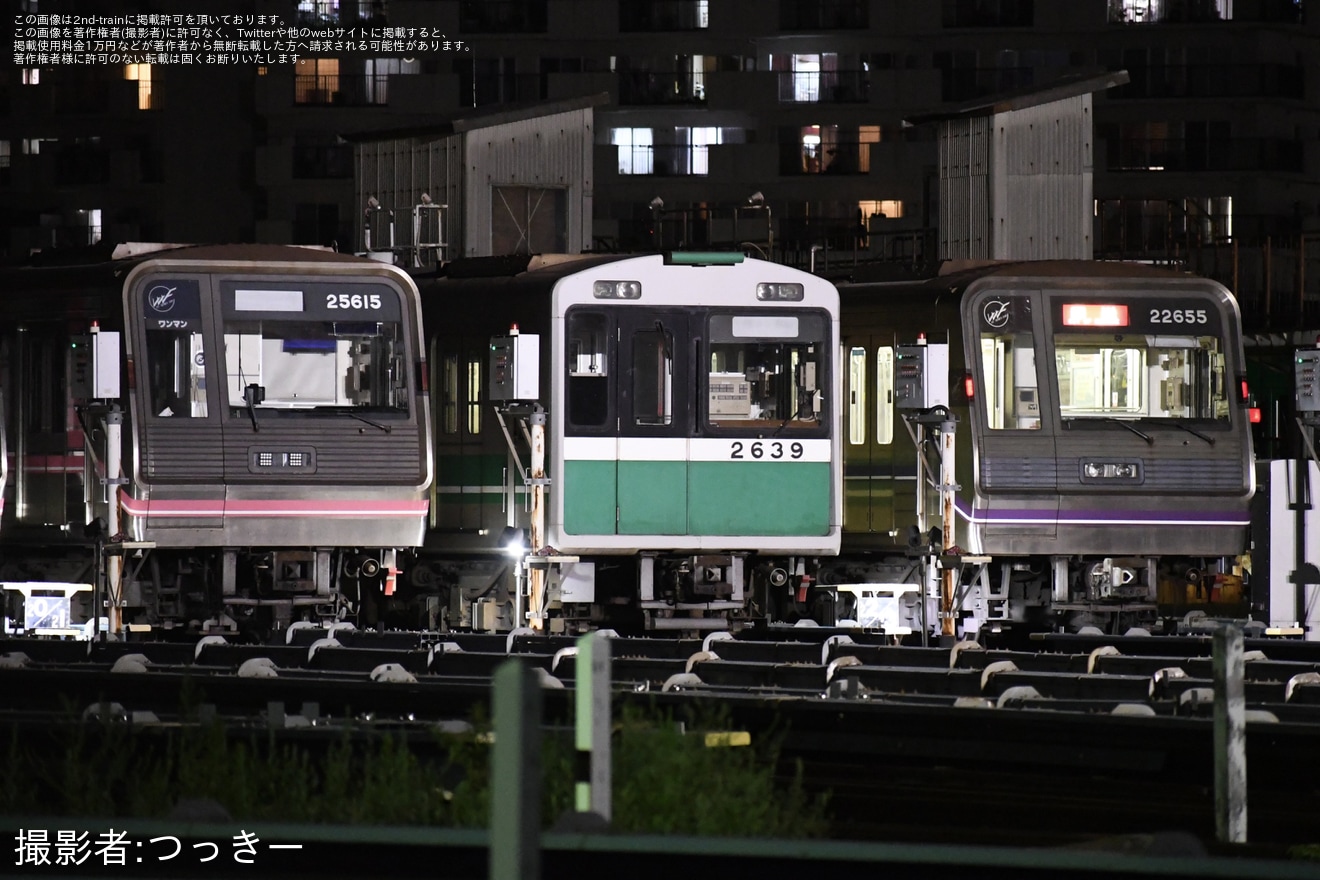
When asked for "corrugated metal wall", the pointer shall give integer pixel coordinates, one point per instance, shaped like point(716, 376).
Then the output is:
point(1017, 185)
point(397, 172)
point(964, 147)
point(1040, 182)
point(549, 152)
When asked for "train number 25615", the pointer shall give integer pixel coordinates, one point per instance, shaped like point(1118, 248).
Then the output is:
point(1178, 316)
point(759, 449)
point(355, 301)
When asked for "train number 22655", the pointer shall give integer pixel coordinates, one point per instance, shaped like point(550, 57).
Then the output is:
point(759, 449)
point(1178, 316)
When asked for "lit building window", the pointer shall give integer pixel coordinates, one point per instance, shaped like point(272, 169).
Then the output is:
point(316, 80)
point(142, 74)
point(883, 208)
point(636, 149)
point(89, 219)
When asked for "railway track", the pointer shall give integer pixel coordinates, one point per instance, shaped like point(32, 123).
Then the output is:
point(969, 743)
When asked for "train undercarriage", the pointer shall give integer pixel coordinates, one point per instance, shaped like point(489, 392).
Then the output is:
point(259, 591)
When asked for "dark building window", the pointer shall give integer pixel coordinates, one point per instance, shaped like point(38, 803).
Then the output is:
point(503, 16)
point(486, 81)
point(963, 78)
point(988, 13)
point(812, 15)
point(663, 15)
point(326, 13)
point(320, 156)
point(675, 79)
point(318, 224)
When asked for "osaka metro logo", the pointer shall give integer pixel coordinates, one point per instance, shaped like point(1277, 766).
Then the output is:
point(161, 298)
point(996, 313)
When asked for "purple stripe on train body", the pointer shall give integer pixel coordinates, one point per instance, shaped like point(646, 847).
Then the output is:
point(1100, 517)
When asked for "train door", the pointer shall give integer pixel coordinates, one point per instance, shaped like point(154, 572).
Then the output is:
point(1017, 491)
point(470, 473)
point(655, 420)
point(873, 488)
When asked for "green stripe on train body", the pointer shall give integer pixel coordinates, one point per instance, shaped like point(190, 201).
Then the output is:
point(779, 499)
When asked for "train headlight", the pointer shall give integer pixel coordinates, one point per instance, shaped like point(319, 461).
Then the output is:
point(616, 289)
point(1127, 471)
point(780, 291)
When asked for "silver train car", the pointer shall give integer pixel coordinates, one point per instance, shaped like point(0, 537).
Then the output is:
point(1102, 441)
point(241, 432)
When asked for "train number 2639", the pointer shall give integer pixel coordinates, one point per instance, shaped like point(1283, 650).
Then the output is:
point(759, 449)
point(1178, 316)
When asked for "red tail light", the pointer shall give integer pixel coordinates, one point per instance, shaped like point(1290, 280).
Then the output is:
point(1253, 415)
point(1242, 389)
point(969, 386)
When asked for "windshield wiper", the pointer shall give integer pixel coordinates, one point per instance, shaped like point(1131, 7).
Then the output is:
point(252, 395)
point(1124, 424)
point(1194, 432)
point(352, 415)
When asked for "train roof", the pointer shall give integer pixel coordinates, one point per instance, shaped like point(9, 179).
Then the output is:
point(956, 276)
point(83, 278)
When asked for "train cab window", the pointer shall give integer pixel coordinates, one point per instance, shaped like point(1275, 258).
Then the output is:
point(766, 370)
point(587, 387)
point(653, 376)
point(176, 368)
point(316, 366)
point(856, 396)
point(1141, 376)
point(1008, 365)
point(884, 395)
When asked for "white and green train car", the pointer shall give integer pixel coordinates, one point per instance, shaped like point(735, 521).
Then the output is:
point(692, 431)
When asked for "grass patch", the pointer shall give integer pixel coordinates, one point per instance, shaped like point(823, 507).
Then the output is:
point(665, 777)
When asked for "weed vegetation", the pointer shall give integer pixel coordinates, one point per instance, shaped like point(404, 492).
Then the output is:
point(665, 777)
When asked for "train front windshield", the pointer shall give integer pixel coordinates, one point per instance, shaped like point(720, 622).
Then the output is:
point(1125, 359)
point(316, 365)
point(1141, 375)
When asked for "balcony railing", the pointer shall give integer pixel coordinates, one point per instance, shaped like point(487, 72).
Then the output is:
point(1214, 81)
point(645, 87)
point(1181, 154)
point(1204, 11)
point(840, 157)
point(665, 160)
point(815, 15)
point(988, 13)
point(663, 15)
point(825, 87)
point(341, 90)
point(503, 16)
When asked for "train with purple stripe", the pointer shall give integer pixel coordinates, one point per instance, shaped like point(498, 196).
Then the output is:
point(307, 435)
point(1103, 456)
point(244, 430)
